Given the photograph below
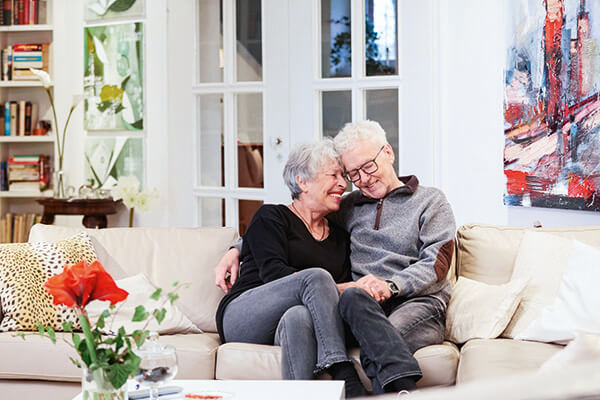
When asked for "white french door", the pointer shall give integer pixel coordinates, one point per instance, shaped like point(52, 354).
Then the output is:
point(272, 73)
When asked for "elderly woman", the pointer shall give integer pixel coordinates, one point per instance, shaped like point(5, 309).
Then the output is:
point(292, 257)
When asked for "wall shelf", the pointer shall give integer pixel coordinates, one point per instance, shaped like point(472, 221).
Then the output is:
point(16, 84)
point(28, 139)
point(24, 195)
point(27, 28)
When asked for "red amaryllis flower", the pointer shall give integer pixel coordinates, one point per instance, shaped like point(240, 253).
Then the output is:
point(81, 283)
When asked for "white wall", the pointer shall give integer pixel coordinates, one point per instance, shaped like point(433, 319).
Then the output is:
point(471, 109)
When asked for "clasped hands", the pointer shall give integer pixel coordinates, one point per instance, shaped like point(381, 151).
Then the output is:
point(377, 288)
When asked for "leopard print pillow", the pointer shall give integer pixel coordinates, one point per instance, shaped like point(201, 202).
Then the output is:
point(24, 268)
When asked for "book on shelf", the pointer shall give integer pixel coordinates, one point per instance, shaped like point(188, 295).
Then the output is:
point(19, 119)
point(22, 12)
point(18, 58)
point(14, 228)
point(27, 173)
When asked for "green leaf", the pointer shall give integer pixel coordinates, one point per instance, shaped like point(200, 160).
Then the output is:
point(140, 336)
point(140, 314)
point(112, 307)
point(67, 326)
point(76, 340)
point(159, 315)
point(121, 5)
point(21, 335)
point(105, 314)
point(175, 283)
point(119, 372)
point(51, 334)
point(156, 294)
point(41, 329)
point(139, 124)
point(76, 362)
point(173, 297)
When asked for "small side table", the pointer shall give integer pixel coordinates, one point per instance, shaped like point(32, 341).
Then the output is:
point(94, 211)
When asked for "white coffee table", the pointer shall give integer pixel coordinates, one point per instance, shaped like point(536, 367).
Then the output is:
point(259, 390)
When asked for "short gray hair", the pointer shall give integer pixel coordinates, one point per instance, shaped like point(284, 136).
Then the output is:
point(305, 161)
point(353, 132)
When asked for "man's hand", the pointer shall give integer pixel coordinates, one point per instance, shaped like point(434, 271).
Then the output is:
point(378, 288)
point(227, 270)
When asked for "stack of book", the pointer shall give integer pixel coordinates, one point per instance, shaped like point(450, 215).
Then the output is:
point(18, 58)
point(28, 173)
point(18, 118)
point(14, 228)
point(22, 12)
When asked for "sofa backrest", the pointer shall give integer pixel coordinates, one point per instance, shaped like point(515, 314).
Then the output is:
point(165, 255)
point(487, 253)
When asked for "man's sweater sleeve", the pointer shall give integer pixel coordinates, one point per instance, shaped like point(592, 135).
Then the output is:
point(436, 236)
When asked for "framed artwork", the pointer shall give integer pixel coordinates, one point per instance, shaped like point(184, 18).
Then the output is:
point(552, 104)
point(105, 9)
point(108, 158)
point(113, 77)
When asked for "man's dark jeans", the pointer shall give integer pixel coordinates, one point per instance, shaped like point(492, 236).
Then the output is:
point(388, 334)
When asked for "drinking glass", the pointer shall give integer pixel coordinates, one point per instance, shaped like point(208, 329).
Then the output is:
point(158, 365)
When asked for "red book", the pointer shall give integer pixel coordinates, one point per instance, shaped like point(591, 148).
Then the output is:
point(25, 11)
point(21, 12)
point(27, 47)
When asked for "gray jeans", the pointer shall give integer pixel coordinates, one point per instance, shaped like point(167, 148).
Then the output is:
point(389, 333)
point(298, 312)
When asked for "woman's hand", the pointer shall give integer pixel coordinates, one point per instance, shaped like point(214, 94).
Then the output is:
point(227, 270)
point(378, 288)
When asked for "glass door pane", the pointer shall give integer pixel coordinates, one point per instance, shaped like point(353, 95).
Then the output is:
point(381, 37)
point(210, 40)
point(247, 208)
point(336, 39)
point(211, 211)
point(382, 106)
point(250, 140)
point(249, 40)
point(211, 151)
point(336, 111)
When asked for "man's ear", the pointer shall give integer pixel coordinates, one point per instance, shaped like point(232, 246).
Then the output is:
point(389, 152)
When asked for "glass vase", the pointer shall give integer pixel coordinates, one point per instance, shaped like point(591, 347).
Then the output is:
point(59, 184)
point(95, 385)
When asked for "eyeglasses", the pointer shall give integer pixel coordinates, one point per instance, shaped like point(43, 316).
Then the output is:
point(370, 167)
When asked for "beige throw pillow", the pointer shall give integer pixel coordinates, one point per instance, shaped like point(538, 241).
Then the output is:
point(482, 311)
point(140, 289)
point(24, 268)
point(541, 260)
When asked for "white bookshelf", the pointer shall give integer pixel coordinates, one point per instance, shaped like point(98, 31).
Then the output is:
point(21, 202)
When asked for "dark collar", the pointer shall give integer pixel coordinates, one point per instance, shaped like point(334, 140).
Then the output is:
point(410, 185)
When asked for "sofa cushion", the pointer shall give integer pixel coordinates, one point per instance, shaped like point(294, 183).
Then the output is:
point(37, 358)
point(487, 253)
point(261, 362)
point(495, 358)
point(164, 255)
point(24, 268)
point(482, 311)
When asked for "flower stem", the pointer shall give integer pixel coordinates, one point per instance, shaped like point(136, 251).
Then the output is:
point(58, 141)
point(131, 217)
point(87, 332)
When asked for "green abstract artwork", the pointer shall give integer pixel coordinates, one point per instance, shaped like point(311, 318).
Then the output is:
point(109, 158)
point(113, 77)
point(104, 9)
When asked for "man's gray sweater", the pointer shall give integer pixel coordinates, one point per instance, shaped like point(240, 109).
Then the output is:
point(407, 237)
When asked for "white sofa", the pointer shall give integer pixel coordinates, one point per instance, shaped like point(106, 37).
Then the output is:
point(35, 367)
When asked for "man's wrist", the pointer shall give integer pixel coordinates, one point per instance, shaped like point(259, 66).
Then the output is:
point(393, 288)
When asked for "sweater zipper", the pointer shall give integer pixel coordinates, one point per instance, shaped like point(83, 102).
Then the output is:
point(378, 217)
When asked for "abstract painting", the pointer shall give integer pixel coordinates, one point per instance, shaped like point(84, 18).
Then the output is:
point(552, 104)
point(112, 82)
point(108, 158)
point(104, 9)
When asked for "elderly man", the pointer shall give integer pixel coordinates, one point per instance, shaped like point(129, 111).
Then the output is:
point(401, 243)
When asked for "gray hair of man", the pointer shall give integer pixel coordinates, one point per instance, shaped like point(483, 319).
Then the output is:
point(305, 162)
point(354, 132)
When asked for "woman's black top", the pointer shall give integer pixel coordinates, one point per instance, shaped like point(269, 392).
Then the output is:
point(277, 244)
